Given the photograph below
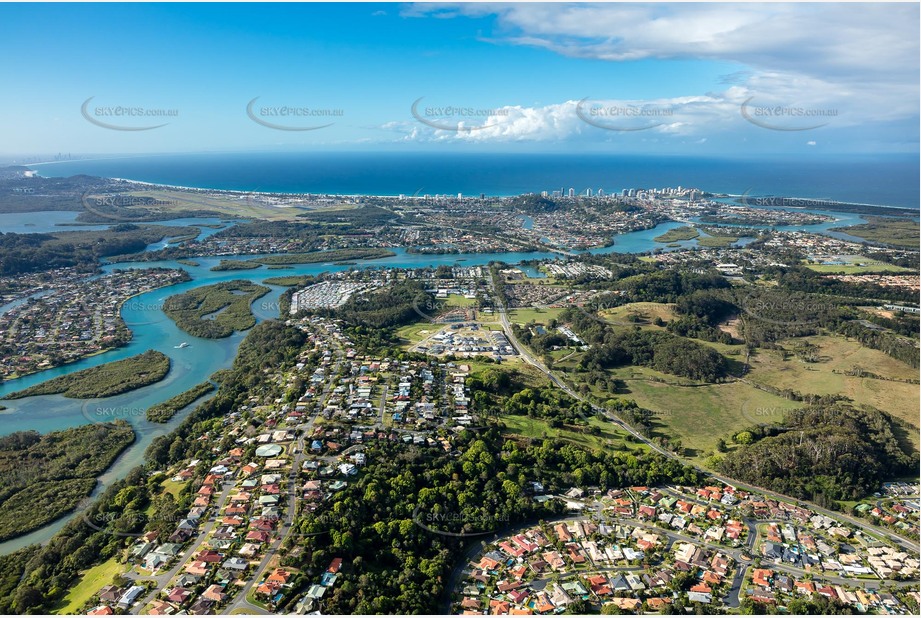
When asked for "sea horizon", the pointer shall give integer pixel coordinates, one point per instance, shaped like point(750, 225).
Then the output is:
point(890, 180)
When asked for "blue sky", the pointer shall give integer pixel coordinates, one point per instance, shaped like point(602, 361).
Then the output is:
point(731, 79)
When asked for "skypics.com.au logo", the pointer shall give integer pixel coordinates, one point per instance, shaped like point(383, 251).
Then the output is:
point(124, 117)
point(291, 117)
point(458, 525)
point(97, 411)
point(457, 118)
point(118, 207)
point(786, 117)
point(622, 116)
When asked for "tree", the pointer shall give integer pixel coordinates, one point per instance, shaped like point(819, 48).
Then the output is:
point(744, 438)
point(27, 597)
point(579, 606)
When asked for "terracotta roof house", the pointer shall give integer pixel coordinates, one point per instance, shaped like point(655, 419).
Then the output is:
point(178, 595)
point(214, 593)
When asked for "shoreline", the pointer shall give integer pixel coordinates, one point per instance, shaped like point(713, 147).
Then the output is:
point(452, 195)
point(811, 199)
point(10, 379)
point(121, 304)
point(109, 471)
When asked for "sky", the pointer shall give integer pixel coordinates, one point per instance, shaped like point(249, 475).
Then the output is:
point(727, 79)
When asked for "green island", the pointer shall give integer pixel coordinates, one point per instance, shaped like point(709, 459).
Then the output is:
point(37, 577)
point(24, 253)
point(215, 311)
point(762, 219)
point(188, 262)
point(236, 265)
point(679, 233)
point(827, 205)
point(43, 477)
point(895, 232)
point(529, 429)
point(620, 381)
point(335, 255)
point(290, 281)
point(178, 240)
point(716, 238)
point(162, 412)
point(105, 380)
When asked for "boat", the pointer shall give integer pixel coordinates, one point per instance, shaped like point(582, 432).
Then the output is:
point(181, 345)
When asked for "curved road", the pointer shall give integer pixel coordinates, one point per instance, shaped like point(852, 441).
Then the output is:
point(526, 355)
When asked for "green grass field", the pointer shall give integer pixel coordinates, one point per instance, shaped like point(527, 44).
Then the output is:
point(645, 312)
point(535, 314)
point(700, 414)
point(609, 438)
point(173, 487)
point(642, 315)
point(90, 583)
point(863, 265)
point(414, 333)
point(696, 414)
point(229, 206)
point(534, 281)
point(838, 355)
point(459, 300)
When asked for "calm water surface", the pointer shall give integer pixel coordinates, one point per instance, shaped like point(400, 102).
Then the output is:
point(194, 364)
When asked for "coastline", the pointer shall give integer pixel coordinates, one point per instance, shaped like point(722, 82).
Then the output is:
point(831, 203)
point(238, 193)
point(450, 194)
point(104, 350)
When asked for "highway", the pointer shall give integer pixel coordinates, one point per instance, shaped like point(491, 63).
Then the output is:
point(528, 357)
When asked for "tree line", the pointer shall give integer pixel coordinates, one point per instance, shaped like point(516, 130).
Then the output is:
point(824, 452)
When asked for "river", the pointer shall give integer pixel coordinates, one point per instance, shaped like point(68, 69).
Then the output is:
point(194, 364)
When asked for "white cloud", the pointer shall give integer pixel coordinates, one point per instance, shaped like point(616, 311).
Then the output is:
point(856, 63)
point(874, 40)
point(735, 110)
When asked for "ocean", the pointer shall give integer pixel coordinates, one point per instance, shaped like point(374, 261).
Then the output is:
point(893, 183)
point(890, 180)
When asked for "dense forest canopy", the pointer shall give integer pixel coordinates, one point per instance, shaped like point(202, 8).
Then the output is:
point(822, 452)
